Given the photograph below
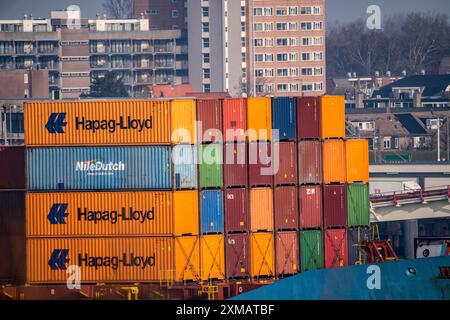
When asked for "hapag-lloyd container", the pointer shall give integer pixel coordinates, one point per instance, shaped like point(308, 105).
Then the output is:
point(310, 207)
point(119, 122)
point(356, 254)
point(334, 206)
point(262, 253)
point(286, 249)
point(99, 168)
point(332, 116)
point(183, 122)
point(237, 217)
point(184, 158)
point(235, 167)
point(12, 212)
point(259, 119)
point(12, 257)
point(212, 257)
point(187, 259)
point(308, 118)
point(309, 162)
point(358, 205)
point(336, 251)
point(285, 208)
point(12, 164)
point(260, 171)
point(237, 255)
point(311, 250)
point(261, 209)
point(209, 113)
point(210, 166)
point(284, 118)
point(211, 211)
point(287, 163)
point(357, 157)
point(235, 119)
point(77, 214)
point(333, 155)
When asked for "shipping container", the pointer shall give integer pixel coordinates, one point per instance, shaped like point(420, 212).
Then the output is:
point(12, 164)
point(358, 205)
point(310, 162)
point(187, 259)
point(332, 117)
point(333, 153)
point(108, 260)
point(259, 119)
point(212, 257)
point(284, 118)
point(237, 255)
point(308, 118)
point(334, 206)
point(12, 259)
point(356, 254)
point(185, 166)
point(311, 250)
point(235, 119)
point(235, 167)
point(209, 114)
point(285, 201)
point(262, 253)
point(66, 214)
point(210, 166)
point(286, 248)
point(260, 164)
point(99, 168)
point(285, 155)
point(335, 248)
point(237, 217)
point(357, 158)
point(261, 209)
point(12, 212)
point(310, 207)
point(183, 122)
point(211, 211)
point(118, 122)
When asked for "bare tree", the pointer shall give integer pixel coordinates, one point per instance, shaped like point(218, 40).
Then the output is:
point(118, 9)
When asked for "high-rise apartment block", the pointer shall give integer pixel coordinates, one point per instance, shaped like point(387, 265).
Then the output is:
point(162, 15)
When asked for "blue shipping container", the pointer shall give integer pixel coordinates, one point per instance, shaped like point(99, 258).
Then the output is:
point(211, 211)
point(99, 168)
point(184, 166)
point(355, 236)
point(284, 118)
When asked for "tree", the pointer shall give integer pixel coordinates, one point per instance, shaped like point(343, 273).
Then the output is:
point(119, 9)
point(109, 86)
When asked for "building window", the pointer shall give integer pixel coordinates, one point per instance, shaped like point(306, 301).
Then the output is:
point(294, 72)
point(268, 42)
point(258, 42)
point(207, 88)
point(174, 14)
point(259, 88)
point(257, 27)
point(243, 57)
point(318, 56)
point(318, 10)
point(306, 26)
point(205, 42)
point(257, 12)
point(242, 11)
point(268, 57)
point(282, 87)
point(205, 11)
point(281, 12)
point(259, 73)
point(317, 25)
point(293, 11)
point(268, 11)
point(307, 41)
point(205, 26)
point(293, 41)
point(243, 42)
point(268, 72)
point(306, 87)
point(152, 12)
point(242, 26)
point(318, 71)
point(293, 26)
point(282, 57)
point(282, 72)
point(307, 71)
point(206, 73)
point(306, 10)
point(318, 86)
point(282, 26)
point(293, 56)
point(282, 42)
point(268, 27)
point(259, 57)
point(306, 56)
point(206, 58)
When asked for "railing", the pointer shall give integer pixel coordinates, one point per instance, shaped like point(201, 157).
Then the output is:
point(398, 198)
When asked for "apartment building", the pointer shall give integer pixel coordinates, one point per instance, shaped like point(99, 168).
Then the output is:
point(24, 84)
point(162, 15)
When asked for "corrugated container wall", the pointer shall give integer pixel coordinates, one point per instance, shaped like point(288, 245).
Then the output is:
point(262, 253)
point(211, 168)
point(235, 119)
point(261, 209)
point(187, 259)
point(259, 119)
point(284, 118)
point(356, 254)
point(286, 248)
point(209, 113)
point(358, 205)
point(311, 250)
point(120, 122)
point(309, 162)
point(99, 168)
point(212, 257)
point(310, 207)
point(285, 155)
point(185, 166)
point(333, 153)
point(12, 212)
point(260, 171)
point(236, 207)
point(183, 122)
point(235, 167)
point(332, 117)
point(211, 211)
point(285, 208)
point(12, 164)
point(186, 212)
point(335, 246)
point(308, 118)
point(237, 255)
point(357, 157)
point(334, 206)
point(12, 259)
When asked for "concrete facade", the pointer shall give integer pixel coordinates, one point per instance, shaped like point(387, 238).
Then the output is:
point(24, 84)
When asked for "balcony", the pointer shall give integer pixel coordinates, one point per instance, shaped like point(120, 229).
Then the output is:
point(105, 65)
point(164, 48)
point(165, 64)
point(120, 50)
point(7, 66)
point(120, 65)
point(48, 52)
point(7, 51)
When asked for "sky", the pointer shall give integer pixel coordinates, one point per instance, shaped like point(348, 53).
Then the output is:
point(337, 10)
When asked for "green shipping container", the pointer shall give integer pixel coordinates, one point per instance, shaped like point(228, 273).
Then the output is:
point(211, 167)
point(358, 213)
point(311, 250)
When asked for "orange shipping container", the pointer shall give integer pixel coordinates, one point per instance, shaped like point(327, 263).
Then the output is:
point(212, 257)
point(333, 117)
point(183, 122)
point(357, 157)
point(187, 258)
point(333, 152)
point(261, 209)
point(259, 119)
point(262, 252)
point(119, 122)
point(111, 213)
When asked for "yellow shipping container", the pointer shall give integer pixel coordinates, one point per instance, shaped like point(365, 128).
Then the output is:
point(333, 153)
point(357, 157)
point(187, 258)
point(259, 119)
point(183, 121)
point(262, 251)
point(261, 209)
point(332, 117)
point(212, 257)
point(118, 122)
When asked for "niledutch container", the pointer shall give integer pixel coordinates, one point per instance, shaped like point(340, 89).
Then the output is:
point(12, 212)
point(336, 251)
point(308, 118)
point(286, 208)
point(356, 254)
point(12, 257)
point(262, 253)
point(334, 206)
point(12, 164)
point(212, 257)
point(284, 118)
point(211, 211)
point(261, 209)
point(357, 157)
point(99, 168)
point(187, 259)
point(235, 119)
point(209, 113)
point(260, 171)
point(183, 122)
point(120, 122)
point(184, 166)
point(89, 214)
point(259, 119)
point(285, 155)
point(235, 167)
point(310, 162)
point(211, 168)
point(333, 153)
point(310, 207)
point(286, 248)
point(311, 250)
point(237, 255)
point(237, 217)
point(332, 116)
point(358, 205)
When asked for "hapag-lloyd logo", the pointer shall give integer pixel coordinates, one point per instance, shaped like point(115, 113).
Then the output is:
point(96, 167)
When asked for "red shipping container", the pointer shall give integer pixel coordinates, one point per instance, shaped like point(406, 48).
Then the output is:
point(12, 164)
point(308, 118)
point(209, 113)
point(335, 245)
point(287, 163)
point(234, 119)
point(334, 206)
point(237, 255)
point(309, 162)
point(310, 207)
point(286, 208)
point(12, 212)
point(286, 253)
point(235, 167)
point(260, 164)
point(237, 217)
